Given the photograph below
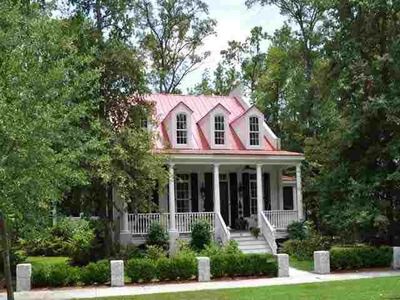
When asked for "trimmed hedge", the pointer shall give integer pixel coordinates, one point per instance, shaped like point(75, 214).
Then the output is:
point(184, 267)
point(356, 257)
point(60, 275)
point(239, 264)
point(145, 270)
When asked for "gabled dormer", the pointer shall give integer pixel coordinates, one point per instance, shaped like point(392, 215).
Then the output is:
point(250, 128)
point(215, 127)
point(178, 124)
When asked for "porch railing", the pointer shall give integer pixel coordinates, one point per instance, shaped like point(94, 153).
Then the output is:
point(269, 233)
point(280, 219)
point(139, 224)
point(222, 232)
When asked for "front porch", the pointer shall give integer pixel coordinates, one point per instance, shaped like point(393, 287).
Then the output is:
point(230, 195)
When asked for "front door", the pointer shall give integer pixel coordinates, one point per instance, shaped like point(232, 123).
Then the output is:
point(224, 197)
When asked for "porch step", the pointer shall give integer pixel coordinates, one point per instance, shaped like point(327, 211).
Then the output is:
point(247, 243)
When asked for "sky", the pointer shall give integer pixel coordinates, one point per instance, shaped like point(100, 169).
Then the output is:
point(234, 22)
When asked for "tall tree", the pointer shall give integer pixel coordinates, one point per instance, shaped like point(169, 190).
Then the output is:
point(359, 187)
point(172, 36)
point(125, 161)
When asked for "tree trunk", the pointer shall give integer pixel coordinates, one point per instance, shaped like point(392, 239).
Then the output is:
point(6, 257)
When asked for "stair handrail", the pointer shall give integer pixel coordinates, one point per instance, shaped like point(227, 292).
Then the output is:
point(268, 232)
point(221, 230)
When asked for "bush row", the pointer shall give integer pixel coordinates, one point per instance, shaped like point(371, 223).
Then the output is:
point(59, 275)
point(184, 267)
point(239, 264)
point(181, 267)
point(356, 257)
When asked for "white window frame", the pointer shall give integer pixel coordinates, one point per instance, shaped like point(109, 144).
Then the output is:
point(179, 180)
point(183, 130)
point(219, 130)
point(253, 193)
point(252, 131)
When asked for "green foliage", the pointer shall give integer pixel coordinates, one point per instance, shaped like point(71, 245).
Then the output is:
point(155, 252)
point(16, 257)
point(182, 266)
point(297, 231)
point(98, 272)
point(47, 111)
point(239, 264)
point(255, 231)
point(141, 270)
point(157, 235)
point(62, 274)
point(361, 256)
point(57, 275)
point(182, 23)
point(304, 249)
point(128, 252)
point(200, 235)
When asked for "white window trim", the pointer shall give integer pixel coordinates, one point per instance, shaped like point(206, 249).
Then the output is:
point(252, 205)
point(188, 130)
point(260, 132)
point(189, 199)
point(215, 130)
point(212, 131)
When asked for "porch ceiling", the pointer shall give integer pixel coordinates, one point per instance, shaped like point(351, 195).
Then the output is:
point(239, 160)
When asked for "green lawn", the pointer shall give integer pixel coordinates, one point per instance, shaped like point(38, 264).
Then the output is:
point(46, 260)
point(305, 265)
point(364, 289)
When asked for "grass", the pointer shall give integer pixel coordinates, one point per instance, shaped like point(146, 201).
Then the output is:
point(305, 265)
point(363, 289)
point(46, 260)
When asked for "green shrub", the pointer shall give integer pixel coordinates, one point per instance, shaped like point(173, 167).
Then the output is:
point(239, 264)
point(304, 249)
point(214, 249)
point(255, 231)
point(128, 252)
point(16, 257)
point(157, 235)
point(182, 266)
point(155, 252)
point(74, 238)
point(58, 275)
point(141, 269)
point(356, 257)
point(200, 235)
point(98, 272)
point(297, 231)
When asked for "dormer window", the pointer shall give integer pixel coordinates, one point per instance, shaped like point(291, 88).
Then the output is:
point(219, 130)
point(181, 129)
point(254, 132)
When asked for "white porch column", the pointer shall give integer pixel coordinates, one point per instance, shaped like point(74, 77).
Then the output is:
point(280, 189)
point(125, 235)
point(260, 202)
point(217, 202)
point(172, 225)
point(299, 192)
point(124, 219)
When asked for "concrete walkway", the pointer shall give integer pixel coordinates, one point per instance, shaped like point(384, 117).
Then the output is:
point(296, 277)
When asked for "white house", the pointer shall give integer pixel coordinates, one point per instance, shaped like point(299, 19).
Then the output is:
point(225, 166)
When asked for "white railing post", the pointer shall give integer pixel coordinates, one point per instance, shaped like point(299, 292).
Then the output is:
point(172, 197)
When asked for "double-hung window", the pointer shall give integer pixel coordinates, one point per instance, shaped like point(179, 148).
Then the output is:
point(253, 194)
point(219, 130)
point(181, 129)
point(254, 131)
point(183, 193)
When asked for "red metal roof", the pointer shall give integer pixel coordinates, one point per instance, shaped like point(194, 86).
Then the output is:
point(201, 106)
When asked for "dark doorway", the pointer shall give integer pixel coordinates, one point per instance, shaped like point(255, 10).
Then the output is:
point(288, 198)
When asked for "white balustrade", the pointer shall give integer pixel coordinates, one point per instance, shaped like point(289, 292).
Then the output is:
point(269, 233)
point(140, 223)
point(280, 219)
